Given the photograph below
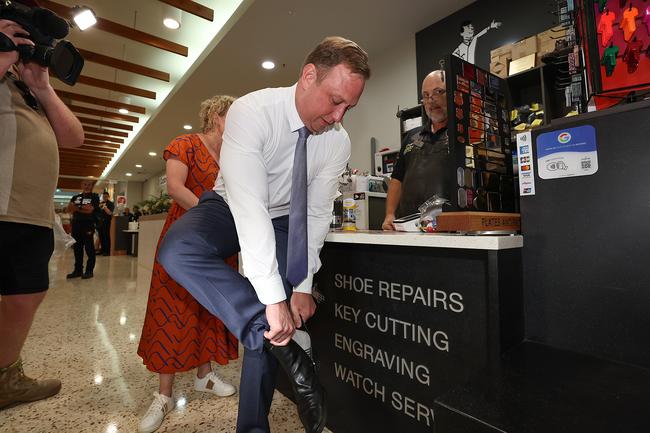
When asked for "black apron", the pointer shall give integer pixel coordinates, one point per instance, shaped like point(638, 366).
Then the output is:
point(427, 165)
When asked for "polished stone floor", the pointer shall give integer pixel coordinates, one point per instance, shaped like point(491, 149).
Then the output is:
point(86, 334)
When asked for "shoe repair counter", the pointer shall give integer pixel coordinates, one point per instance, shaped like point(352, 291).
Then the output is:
point(404, 317)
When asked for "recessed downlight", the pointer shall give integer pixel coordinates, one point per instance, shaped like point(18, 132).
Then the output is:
point(267, 64)
point(123, 111)
point(152, 153)
point(129, 174)
point(187, 127)
point(171, 23)
point(138, 165)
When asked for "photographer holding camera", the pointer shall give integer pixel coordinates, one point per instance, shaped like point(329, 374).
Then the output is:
point(34, 122)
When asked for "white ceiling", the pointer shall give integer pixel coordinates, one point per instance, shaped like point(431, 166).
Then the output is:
point(281, 30)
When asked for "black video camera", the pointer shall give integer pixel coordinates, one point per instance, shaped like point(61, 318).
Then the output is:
point(44, 28)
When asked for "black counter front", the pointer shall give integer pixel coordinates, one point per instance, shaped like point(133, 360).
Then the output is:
point(402, 318)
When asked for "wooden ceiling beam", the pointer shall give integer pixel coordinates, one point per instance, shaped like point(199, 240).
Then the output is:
point(65, 167)
point(78, 151)
point(102, 144)
point(84, 173)
point(101, 130)
point(103, 138)
point(99, 101)
point(91, 56)
point(71, 163)
point(104, 150)
point(84, 166)
point(85, 155)
point(69, 183)
point(100, 113)
point(122, 88)
point(192, 7)
point(82, 152)
point(98, 122)
point(120, 30)
point(88, 153)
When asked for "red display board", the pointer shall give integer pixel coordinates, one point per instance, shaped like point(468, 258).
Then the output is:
point(636, 29)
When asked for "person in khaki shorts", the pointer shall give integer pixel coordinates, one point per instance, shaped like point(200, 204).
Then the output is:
point(33, 121)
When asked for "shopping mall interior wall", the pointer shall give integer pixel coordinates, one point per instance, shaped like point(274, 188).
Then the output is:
point(519, 19)
point(133, 193)
point(392, 85)
point(151, 187)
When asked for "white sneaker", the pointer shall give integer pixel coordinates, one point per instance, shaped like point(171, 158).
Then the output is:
point(156, 413)
point(214, 384)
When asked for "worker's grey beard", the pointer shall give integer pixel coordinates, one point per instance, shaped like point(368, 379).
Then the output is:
point(437, 115)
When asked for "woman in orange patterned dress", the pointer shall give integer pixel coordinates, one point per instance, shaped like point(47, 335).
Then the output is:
point(178, 333)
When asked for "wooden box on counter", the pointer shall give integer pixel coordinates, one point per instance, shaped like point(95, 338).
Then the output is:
point(478, 222)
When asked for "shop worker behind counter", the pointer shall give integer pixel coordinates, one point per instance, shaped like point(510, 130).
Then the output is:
point(283, 150)
point(33, 124)
point(418, 173)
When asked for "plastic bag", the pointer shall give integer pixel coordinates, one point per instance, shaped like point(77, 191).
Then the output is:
point(62, 240)
point(428, 212)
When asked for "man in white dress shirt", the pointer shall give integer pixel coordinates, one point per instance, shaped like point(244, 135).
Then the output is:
point(248, 211)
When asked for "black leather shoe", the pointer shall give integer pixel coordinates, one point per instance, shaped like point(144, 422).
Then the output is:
point(310, 394)
point(87, 275)
point(74, 274)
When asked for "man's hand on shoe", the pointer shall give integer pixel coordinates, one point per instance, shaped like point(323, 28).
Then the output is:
point(281, 323)
point(302, 305)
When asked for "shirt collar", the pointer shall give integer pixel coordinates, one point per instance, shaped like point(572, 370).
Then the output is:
point(295, 122)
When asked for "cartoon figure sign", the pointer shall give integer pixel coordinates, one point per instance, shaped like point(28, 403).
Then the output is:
point(467, 48)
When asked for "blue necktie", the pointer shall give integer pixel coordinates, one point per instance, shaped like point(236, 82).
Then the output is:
point(297, 239)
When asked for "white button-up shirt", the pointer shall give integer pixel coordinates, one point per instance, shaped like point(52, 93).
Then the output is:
point(256, 164)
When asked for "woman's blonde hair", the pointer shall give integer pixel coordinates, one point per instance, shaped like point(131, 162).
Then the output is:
point(216, 105)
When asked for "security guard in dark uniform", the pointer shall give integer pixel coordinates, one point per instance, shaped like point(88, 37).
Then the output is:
point(84, 209)
point(424, 154)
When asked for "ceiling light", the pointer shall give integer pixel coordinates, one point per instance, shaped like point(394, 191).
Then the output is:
point(139, 165)
point(268, 64)
point(171, 17)
point(83, 17)
point(171, 23)
point(129, 174)
point(152, 154)
point(123, 111)
point(188, 127)
point(106, 141)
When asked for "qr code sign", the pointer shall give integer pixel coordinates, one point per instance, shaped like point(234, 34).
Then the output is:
point(586, 164)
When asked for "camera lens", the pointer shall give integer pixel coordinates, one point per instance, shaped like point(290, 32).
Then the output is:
point(66, 62)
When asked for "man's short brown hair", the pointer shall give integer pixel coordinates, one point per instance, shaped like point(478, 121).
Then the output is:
point(333, 51)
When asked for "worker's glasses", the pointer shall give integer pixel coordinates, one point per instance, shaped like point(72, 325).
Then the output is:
point(434, 93)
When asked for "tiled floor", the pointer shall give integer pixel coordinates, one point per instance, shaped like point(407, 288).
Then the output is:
point(86, 334)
